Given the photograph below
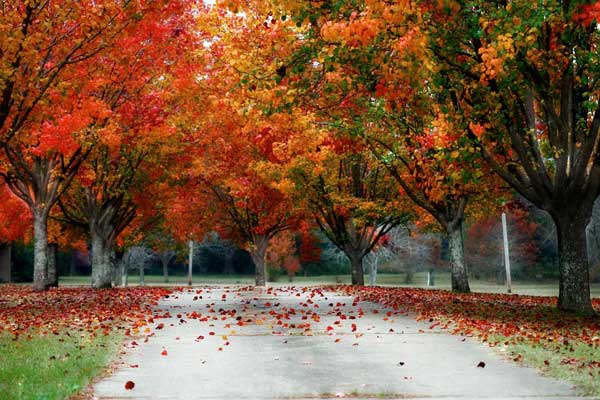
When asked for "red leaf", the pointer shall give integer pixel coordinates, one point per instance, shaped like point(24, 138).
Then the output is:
point(129, 385)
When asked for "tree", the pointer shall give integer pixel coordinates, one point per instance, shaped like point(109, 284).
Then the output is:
point(485, 244)
point(15, 224)
point(525, 78)
point(224, 192)
point(140, 258)
point(163, 244)
point(249, 216)
point(593, 240)
point(352, 199)
point(281, 255)
point(366, 68)
point(137, 142)
point(53, 103)
point(39, 176)
point(41, 43)
point(223, 184)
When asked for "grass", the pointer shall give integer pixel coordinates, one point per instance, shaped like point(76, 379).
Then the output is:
point(575, 362)
point(442, 280)
point(52, 344)
point(53, 366)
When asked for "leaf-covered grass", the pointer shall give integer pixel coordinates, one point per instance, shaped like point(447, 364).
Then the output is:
point(53, 343)
point(53, 366)
point(577, 362)
point(528, 329)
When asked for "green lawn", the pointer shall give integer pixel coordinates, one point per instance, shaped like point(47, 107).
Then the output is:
point(574, 363)
point(442, 280)
point(52, 366)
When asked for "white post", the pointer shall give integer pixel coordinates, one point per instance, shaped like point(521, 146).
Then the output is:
point(506, 253)
point(190, 262)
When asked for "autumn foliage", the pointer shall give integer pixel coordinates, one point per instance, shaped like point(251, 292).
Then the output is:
point(15, 220)
point(530, 319)
point(68, 310)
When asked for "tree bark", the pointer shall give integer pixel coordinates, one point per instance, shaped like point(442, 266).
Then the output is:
point(258, 253)
point(373, 273)
point(5, 263)
point(40, 255)
point(458, 267)
point(165, 265)
point(117, 268)
point(574, 285)
point(431, 277)
point(356, 269)
point(142, 281)
point(229, 253)
point(73, 263)
point(500, 274)
point(101, 265)
point(52, 267)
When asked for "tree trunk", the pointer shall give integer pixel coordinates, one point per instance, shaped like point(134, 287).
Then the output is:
point(73, 263)
point(229, 253)
point(115, 272)
point(5, 263)
point(574, 285)
point(409, 277)
point(52, 267)
point(258, 253)
point(373, 273)
point(117, 268)
point(458, 267)
point(356, 270)
point(260, 273)
point(190, 262)
point(40, 255)
point(500, 274)
point(142, 281)
point(165, 265)
point(101, 265)
point(431, 277)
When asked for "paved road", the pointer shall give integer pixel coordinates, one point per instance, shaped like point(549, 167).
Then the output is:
point(280, 343)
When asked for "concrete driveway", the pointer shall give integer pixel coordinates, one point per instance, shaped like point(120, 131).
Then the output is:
point(300, 343)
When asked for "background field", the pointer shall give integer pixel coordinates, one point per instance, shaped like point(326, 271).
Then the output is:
point(442, 280)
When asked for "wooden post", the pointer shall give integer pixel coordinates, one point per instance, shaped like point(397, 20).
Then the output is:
point(190, 262)
point(506, 253)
